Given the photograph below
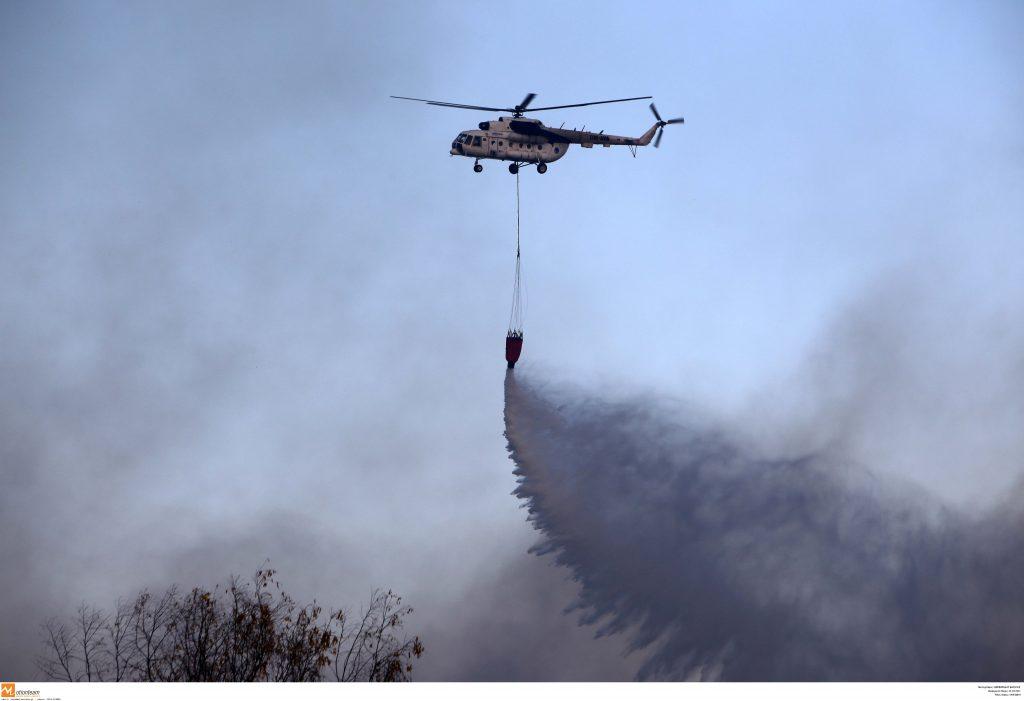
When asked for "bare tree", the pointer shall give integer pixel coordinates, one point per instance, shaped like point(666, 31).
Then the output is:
point(59, 641)
point(150, 634)
point(373, 651)
point(90, 625)
point(243, 631)
point(251, 633)
point(119, 631)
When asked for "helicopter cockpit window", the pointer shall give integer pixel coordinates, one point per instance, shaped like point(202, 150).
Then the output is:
point(476, 140)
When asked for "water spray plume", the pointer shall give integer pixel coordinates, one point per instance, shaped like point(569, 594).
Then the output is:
point(716, 562)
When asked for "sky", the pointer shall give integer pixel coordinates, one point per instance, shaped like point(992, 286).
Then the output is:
point(251, 308)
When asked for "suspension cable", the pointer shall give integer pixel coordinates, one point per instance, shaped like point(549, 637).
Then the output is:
point(515, 320)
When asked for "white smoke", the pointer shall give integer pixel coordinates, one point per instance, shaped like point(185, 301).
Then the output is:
point(721, 562)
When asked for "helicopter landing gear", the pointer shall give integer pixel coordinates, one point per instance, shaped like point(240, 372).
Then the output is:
point(542, 168)
point(513, 168)
point(477, 168)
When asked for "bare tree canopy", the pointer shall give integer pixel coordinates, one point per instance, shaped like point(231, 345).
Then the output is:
point(239, 632)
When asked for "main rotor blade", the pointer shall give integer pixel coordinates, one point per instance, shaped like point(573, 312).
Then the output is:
point(657, 140)
point(526, 101)
point(454, 104)
point(584, 104)
point(655, 110)
point(472, 107)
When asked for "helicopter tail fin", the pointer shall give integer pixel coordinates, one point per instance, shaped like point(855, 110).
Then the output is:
point(648, 135)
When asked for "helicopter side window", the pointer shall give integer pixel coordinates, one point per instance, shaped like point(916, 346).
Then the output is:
point(476, 140)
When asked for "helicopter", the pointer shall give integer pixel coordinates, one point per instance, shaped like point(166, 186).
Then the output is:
point(525, 141)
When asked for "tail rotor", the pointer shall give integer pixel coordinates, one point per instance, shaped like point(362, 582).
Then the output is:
point(662, 123)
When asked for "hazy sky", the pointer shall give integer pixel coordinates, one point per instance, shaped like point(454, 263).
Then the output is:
point(250, 307)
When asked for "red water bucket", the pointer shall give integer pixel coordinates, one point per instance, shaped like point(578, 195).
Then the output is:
point(513, 347)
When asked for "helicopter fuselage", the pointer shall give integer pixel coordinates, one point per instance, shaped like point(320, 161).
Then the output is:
point(523, 140)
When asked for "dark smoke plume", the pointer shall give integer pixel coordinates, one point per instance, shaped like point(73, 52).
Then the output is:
point(721, 562)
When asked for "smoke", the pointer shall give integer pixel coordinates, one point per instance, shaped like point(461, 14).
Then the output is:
point(509, 624)
point(722, 560)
